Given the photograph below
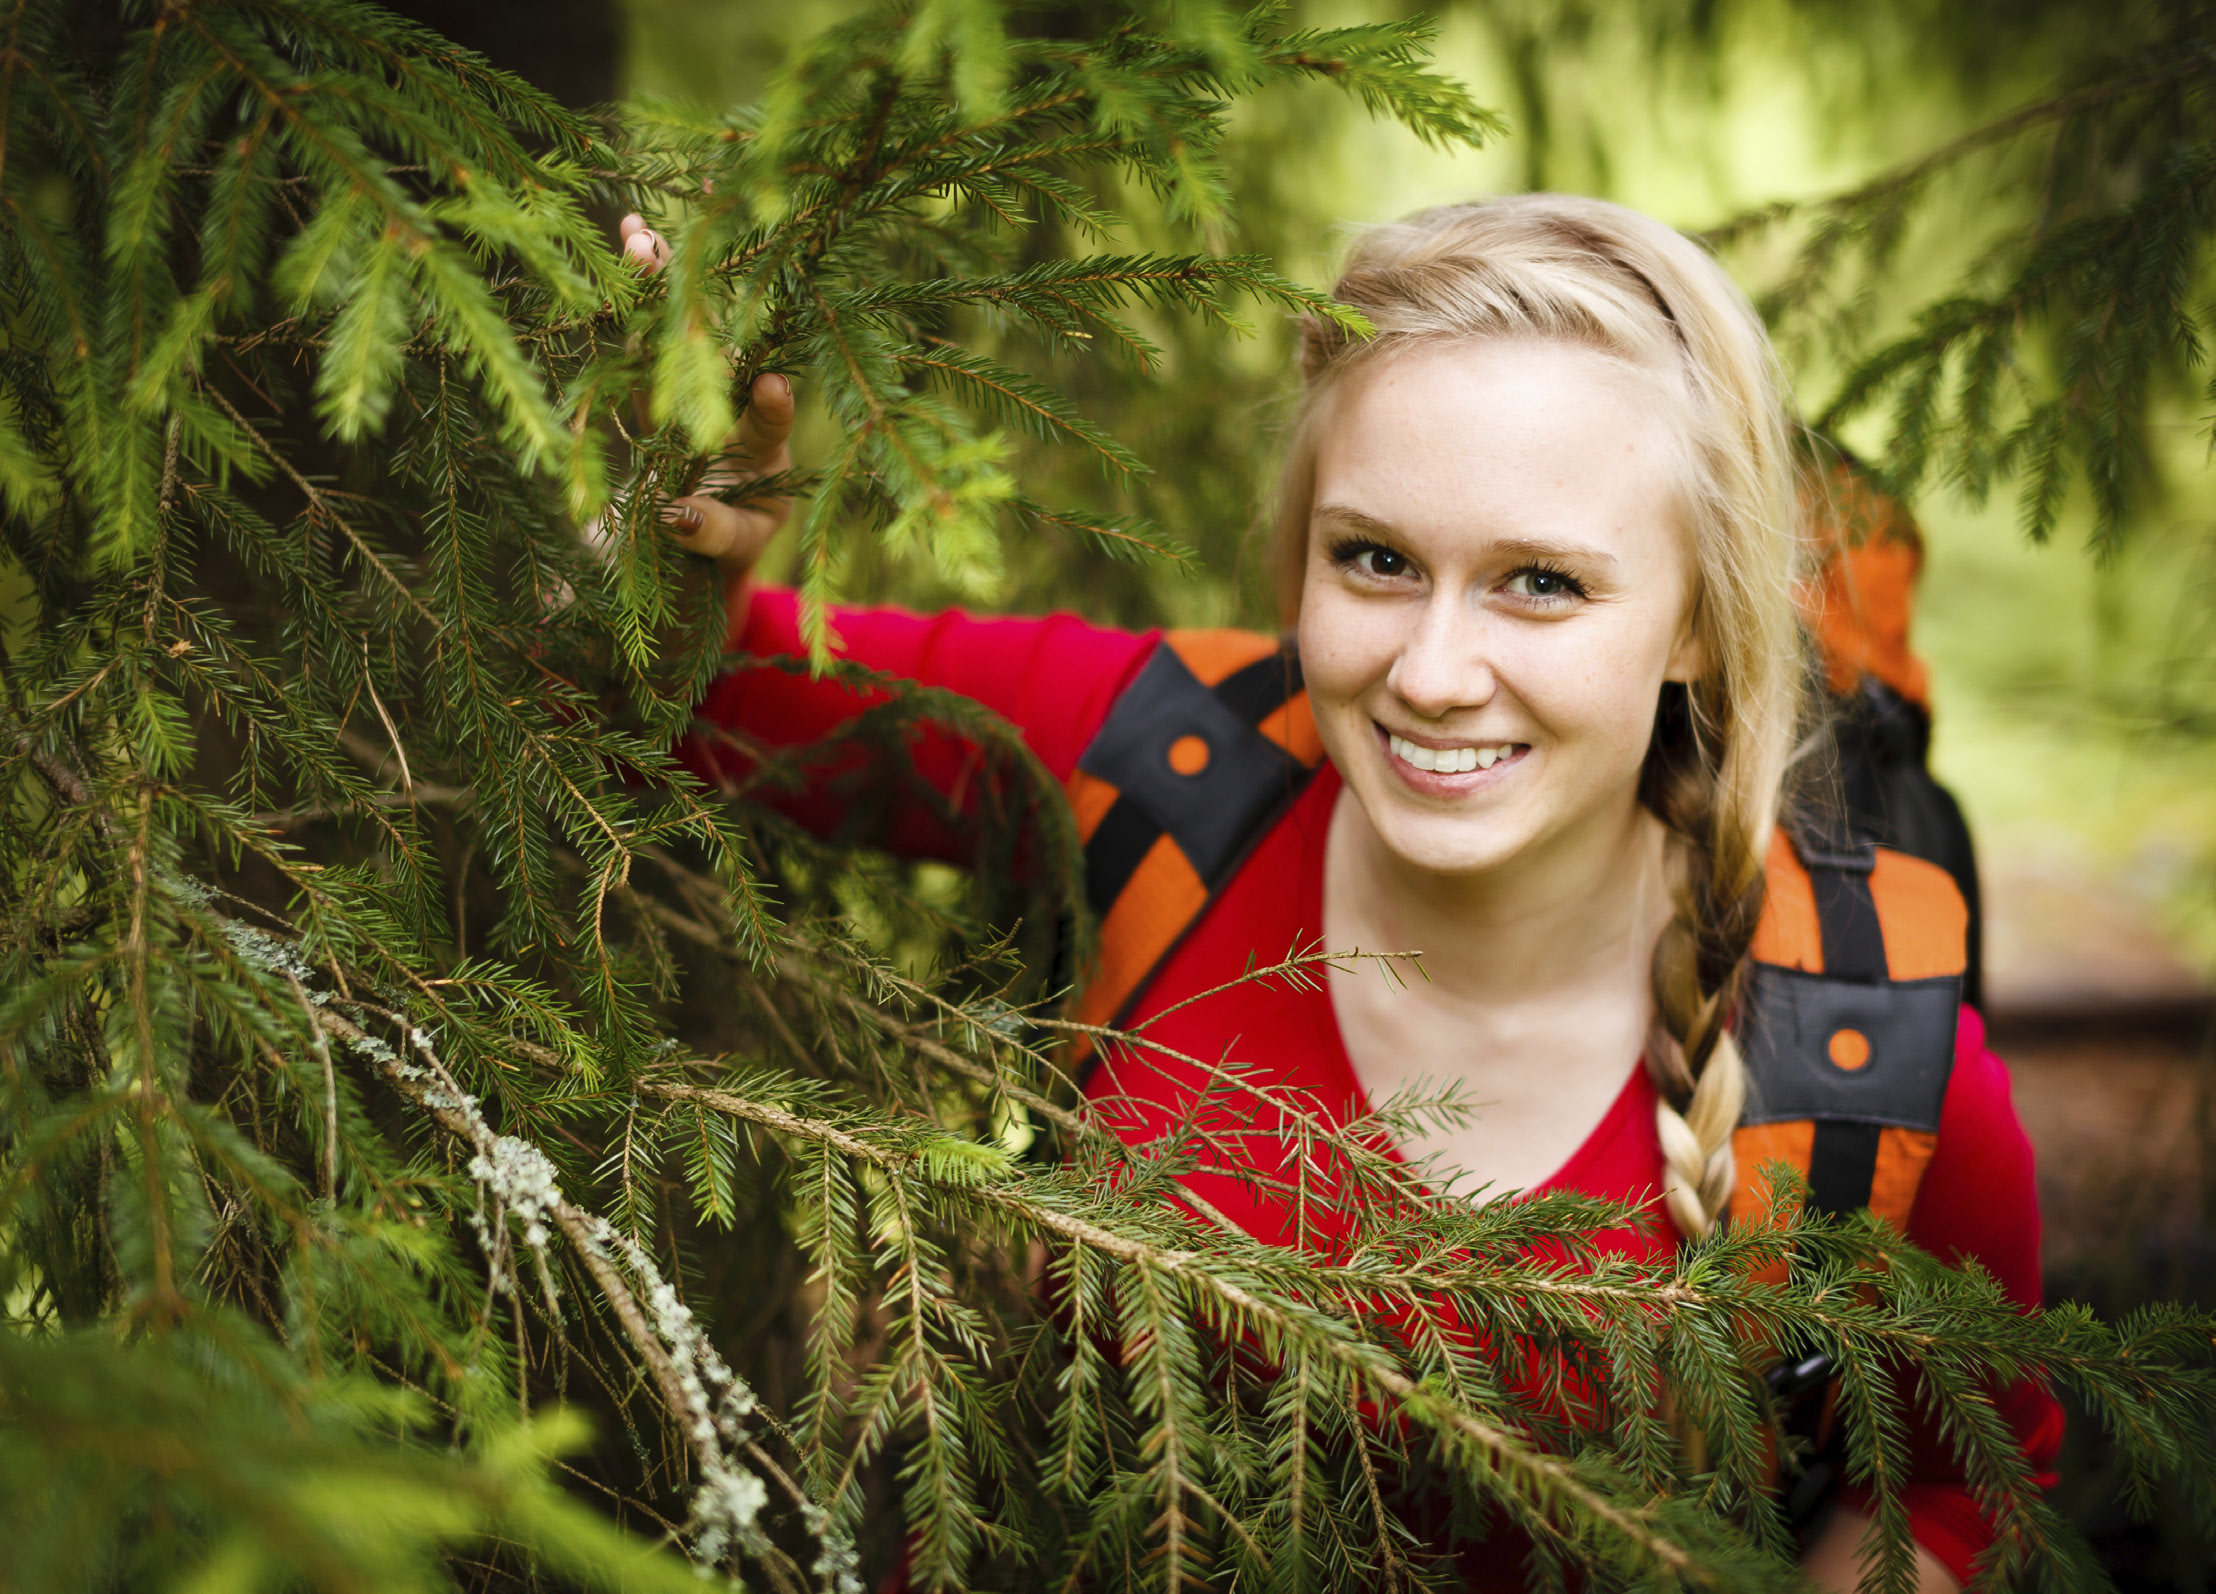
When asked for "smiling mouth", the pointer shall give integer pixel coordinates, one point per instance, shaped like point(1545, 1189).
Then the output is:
point(1457, 760)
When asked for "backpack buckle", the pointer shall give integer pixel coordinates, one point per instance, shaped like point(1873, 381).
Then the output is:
point(1844, 854)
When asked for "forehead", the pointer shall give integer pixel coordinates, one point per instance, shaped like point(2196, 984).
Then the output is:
point(1502, 438)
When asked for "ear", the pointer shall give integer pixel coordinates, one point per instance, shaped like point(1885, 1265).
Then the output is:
point(1688, 655)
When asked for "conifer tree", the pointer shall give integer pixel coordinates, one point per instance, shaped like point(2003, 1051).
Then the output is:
point(444, 1144)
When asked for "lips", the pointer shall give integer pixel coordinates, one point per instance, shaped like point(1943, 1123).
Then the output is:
point(1460, 758)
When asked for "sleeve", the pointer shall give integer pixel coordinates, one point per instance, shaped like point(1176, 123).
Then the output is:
point(1978, 1200)
point(1053, 678)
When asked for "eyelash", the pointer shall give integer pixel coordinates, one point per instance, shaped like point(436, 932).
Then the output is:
point(1572, 587)
point(1347, 550)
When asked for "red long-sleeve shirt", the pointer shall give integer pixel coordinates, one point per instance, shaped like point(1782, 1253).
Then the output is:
point(1055, 680)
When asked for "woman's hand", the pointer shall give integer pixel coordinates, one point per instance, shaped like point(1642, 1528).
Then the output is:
point(734, 537)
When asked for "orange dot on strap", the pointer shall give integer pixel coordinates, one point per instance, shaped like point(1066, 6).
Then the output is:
point(1849, 1048)
point(1188, 755)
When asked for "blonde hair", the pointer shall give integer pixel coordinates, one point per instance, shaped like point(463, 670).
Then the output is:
point(1609, 279)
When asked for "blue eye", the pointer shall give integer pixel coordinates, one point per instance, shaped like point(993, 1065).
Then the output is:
point(1545, 585)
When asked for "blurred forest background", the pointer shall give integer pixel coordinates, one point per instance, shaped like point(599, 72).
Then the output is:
point(2075, 676)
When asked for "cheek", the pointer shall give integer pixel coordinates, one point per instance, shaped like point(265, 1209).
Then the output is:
point(1345, 646)
point(1596, 691)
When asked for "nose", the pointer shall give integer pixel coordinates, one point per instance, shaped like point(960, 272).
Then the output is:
point(1444, 664)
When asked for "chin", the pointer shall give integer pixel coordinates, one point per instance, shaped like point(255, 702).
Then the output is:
point(1451, 850)
point(1445, 844)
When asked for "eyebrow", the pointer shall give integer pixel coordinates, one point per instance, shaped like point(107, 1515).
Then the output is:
point(1516, 547)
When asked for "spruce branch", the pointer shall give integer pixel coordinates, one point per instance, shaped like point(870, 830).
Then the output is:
point(2040, 362)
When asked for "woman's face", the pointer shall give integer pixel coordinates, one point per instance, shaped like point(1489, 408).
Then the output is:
point(1496, 589)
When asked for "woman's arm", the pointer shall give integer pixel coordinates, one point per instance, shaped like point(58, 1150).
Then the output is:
point(1052, 678)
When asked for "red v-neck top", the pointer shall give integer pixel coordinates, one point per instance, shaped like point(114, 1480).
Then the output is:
point(1055, 679)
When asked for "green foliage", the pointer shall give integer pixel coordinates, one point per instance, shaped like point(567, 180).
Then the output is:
point(406, 1058)
point(2080, 308)
point(208, 1457)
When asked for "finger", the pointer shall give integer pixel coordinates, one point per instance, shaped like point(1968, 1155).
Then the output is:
point(767, 426)
point(630, 224)
point(701, 525)
point(713, 529)
point(646, 250)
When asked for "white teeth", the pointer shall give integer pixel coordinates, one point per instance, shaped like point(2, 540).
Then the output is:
point(1448, 760)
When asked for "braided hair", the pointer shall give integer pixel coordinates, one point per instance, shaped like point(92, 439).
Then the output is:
point(1606, 278)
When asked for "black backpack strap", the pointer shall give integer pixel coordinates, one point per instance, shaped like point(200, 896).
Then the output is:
point(1842, 1156)
point(1881, 743)
point(1846, 909)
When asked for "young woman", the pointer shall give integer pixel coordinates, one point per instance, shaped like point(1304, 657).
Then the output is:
point(1536, 543)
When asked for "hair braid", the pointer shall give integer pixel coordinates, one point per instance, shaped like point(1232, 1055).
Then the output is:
point(1716, 894)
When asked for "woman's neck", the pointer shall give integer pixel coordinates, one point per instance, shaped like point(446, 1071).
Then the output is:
point(1592, 907)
